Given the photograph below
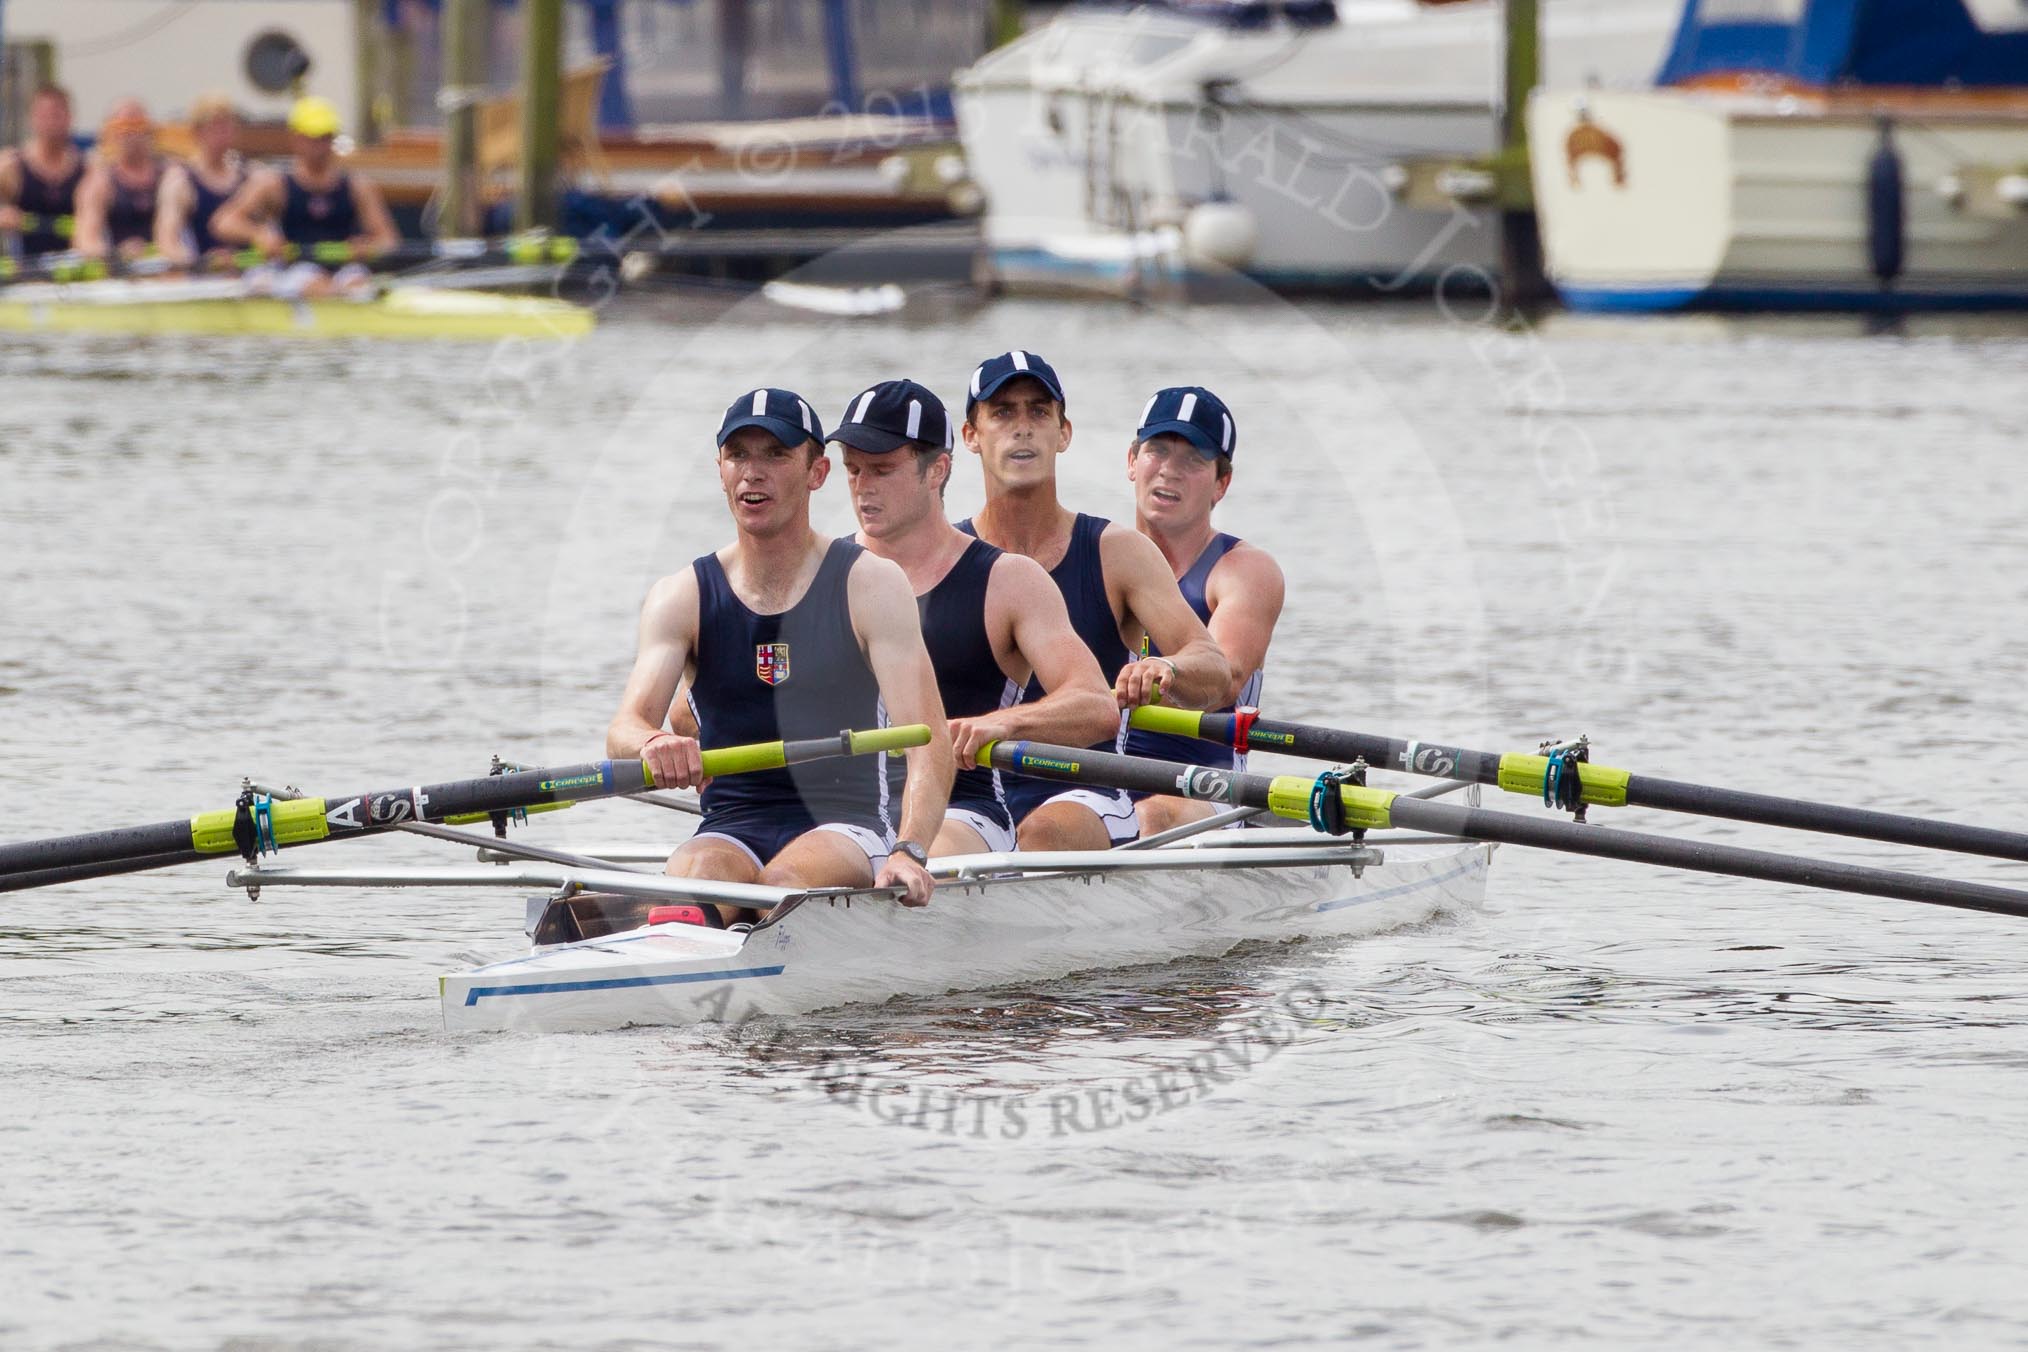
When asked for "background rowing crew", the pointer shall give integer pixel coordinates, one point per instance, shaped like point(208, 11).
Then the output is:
point(1030, 621)
point(131, 205)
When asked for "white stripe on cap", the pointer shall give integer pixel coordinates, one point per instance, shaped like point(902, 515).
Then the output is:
point(1228, 432)
point(1149, 411)
point(978, 374)
point(806, 417)
point(1020, 359)
point(859, 413)
point(1186, 408)
point(760, 403)
point(915, 420)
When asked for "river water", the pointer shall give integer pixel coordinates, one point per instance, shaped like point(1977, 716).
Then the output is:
point(1619, 1107)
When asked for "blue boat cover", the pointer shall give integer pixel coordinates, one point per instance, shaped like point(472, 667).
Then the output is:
point(1243, 14)
point(1844, 42)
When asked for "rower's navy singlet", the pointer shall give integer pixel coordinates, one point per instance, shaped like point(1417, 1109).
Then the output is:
point(327, 217)
point(1190, 750)
point(968, 674)
point(1081, 577)
point(52, 202)
point(205, 203)
point(800, 673)
point(130, 215)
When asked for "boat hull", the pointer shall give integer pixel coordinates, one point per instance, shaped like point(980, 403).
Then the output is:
point(1686, 199)
point(826, 951)
point(406, 314)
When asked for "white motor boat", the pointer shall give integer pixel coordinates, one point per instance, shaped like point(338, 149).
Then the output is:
point(1123, 150)
point(1797, 154)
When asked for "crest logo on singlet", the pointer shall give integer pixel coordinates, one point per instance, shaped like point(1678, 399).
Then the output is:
point(771, 662)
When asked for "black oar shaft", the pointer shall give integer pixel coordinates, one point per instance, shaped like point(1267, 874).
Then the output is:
point(1549, 833)
point(104, 868)
point(1828, 818)
point(1522, 773)
point(300, 821)
point(1284, 796)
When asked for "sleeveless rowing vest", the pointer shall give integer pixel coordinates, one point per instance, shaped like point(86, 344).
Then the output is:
point(800, 673)
point(52, 203)
point(969, 678)
point(1190, 750)
point(205, 203)
point(130, 215)
point(327, 217)
point(1081, 577)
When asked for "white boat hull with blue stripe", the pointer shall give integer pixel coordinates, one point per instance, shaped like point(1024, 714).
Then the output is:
point(987, 926)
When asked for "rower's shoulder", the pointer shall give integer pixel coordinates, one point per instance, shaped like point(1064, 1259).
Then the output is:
point(1121, 546)
point(1248, 567)
point(1017, 578)
point(263, 183)
point(871, 576)
point(1247, 557)
point(679, 586)
point(363, 189)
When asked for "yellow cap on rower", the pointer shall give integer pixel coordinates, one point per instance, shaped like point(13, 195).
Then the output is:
point(313, 116)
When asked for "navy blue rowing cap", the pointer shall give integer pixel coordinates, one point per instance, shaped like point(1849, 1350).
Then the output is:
point(994, 372)
point(1193, 413)
point(782, 414)
point(891, 415)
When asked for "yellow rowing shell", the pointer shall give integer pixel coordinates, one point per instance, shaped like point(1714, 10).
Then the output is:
point(401, 313)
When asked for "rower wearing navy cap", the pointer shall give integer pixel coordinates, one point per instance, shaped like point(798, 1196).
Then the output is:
point(992, 620)
point(1114, 581)
point(1181, 466)
point(785, 634)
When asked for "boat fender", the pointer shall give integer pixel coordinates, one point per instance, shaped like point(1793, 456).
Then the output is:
point(1886, 209)
point(1220, 232)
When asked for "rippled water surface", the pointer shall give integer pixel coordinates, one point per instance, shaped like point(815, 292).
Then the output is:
point(1620, 1107)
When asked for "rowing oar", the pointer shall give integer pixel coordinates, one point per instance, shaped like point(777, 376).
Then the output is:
point(514, 250)
point(1358, 808)
point(257, 825)
point(1597, 785)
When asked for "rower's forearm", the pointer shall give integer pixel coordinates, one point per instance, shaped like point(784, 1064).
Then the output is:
point(625, 737)
point(1203, 677)
point(232, 227)
point(1066, 718)
point(931, 771)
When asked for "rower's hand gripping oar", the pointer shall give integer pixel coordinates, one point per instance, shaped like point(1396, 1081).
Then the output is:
point(254, 828)
point(1297, 798)
point(1551, 777)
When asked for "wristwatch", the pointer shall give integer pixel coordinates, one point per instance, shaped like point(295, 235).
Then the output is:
point(913, 851)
